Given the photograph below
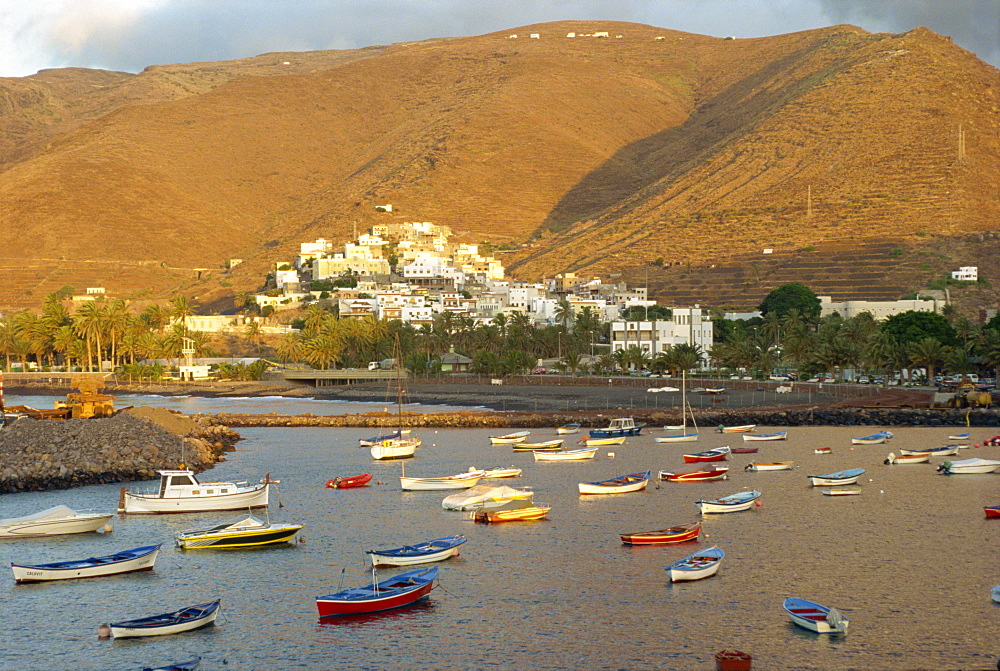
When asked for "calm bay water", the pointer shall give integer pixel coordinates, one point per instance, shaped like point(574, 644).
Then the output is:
point(910, 561)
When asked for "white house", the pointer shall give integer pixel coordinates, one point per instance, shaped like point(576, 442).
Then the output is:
point(966, 274)
point(688, 326)
point(880, 310)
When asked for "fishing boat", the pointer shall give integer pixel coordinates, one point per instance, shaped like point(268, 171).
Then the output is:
point(974, 465)
point(53, 521)
point(465, 480)
point(717, 454)
point(247, 533)
point(696, 474)
point(960, 436)
point(845, 477)
point(745, 450)
point(742, 428)
point(946, 451)
point(697, 565)
point(397, 445)
point(126, 561)
point(517, 511)
point(633, 482)
point(377, 440)
point(992, 511)
point(842, 491)
point(600, 442)
point(566, 429)
point(485, 497)
point(777, 435)
point(181, 492)
point(544, 445)
point(769, 466)
point(823, 450)
point(873, 439)
point(728, 504)
point(510, 438)
point(567, 455)
point(396, 448)
point(815, 617)
point(398, 591)
point(427, 552)
point(622, 426)
point(684, 436)
point(681, 533)
point(501, 472)
point(186, 619)
point(907, 459)
point(349, 482)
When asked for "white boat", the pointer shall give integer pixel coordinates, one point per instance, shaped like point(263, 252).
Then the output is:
point(677, 438)
point(842, 491)
point(743, 428)
point(974, 465)
point(53, 521)
point(846, 477)
point(566, 429)
point(427, 552)
point(684, 436)
point(590, 440)
point(566, 455)
point(181, 492)
point(698, 565)
point(729, 504)
point(126, 561)
point(815, 617)
point(995, 594)
point(777, 435)
point(874, 439)
point(960, 436)
point(770, 466)
point(946, 451)
point(501, 472)
point(510, 438)
point(907, 459)
point(185, 619)
point(633, 482)
point(465, 480)
point(395, 448)
point(485, 497)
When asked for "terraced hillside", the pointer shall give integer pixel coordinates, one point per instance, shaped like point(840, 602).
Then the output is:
point(591, 155)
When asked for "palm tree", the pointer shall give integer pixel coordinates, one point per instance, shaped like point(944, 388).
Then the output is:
point(323, 351)
point(291, 348)
point(89, 324)
point(928, 353)
point(572, 361)
point(252, 332)
point(116, 320)
point(180, 310)
point(564, 313)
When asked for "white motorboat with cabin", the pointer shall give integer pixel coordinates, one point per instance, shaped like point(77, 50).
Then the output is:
point(181, 492)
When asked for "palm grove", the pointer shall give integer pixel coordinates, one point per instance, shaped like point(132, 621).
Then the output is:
point(790, 334)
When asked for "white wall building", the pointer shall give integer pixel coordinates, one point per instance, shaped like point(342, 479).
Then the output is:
point(966, 274)
point(689, 326)
point(880, 310)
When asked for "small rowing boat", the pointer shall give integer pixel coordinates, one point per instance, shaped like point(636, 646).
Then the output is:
point(770, 466)
point(633, 482)
point(842, 491)
point(729, 504)
point(510, 438)
point(136, 559)
point(349, 482)
point(873, 439)
point(907, 459)
point(681, 533)
point(517, 511)
point(427, 552)
point(534, 447)
point(718, 454)
point(566, 455)
point(845, 477)
point(815, 617)
point(697, 565)
point(186, 619)
point(396, 592)
point(696, 474)
point(823, 450)
point(567, 429)
point(590, 441)
point(777, 435)
point(743, 428)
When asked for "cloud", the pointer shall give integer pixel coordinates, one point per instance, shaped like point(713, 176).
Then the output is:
point(132, 34)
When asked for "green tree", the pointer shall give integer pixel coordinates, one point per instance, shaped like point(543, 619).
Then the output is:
point(913, 327)
point(791, 296)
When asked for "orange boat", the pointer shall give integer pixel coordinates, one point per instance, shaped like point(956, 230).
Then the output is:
point(679, 534)
point(349, 482)
point(717, 473)
point(518, 511)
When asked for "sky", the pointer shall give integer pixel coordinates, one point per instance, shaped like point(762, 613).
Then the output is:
point(128, 35)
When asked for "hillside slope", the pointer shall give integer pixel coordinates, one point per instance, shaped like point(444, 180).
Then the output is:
point(602, 155)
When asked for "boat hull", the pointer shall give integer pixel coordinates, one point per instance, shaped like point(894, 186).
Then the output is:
point(728, 504)
point(772, 466)
point(437, 484)
point(603, 441)
point(273, 534)
point(517, 515)
point(622, 485)
point(137, 559)
point(707, 456)
point(679, 534)
point(141, 504)
point(172, 623)
point(680, 438)
point(350, 482)
point(696, 566)
point(695, 476)
point(992, 511)
point(401, 590)
point(79, 525)
point(395, 449)
point(509, 439)
point(819, 481)
point(422, 553)
point(567, 429)
point(750, 437)
point(567, 455)
point(969, 466)
point(948, 451)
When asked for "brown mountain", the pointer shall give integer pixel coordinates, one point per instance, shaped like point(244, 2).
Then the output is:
point(660, 155)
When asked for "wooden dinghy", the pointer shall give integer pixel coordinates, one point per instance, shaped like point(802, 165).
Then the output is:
point(770, 466)
point(136, 559)
point(815, 617)
point(729, 504)
point(398, 591)
point(681, 533)
point(696, 474)
point(185, 619)
point(777, 435)
point(698, 565)
point(846, 477)
point(907, 459)
point(633, 482)
point(427, 552)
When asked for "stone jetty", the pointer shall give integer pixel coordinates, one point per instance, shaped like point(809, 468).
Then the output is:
point(131, 445)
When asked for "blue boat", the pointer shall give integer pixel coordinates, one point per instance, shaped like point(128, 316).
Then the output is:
point(185, 619)
point(697, 565)
point(398, 591)
point(873, 439)
point(623, 426)
point(421, 553)
point(136, 559)
point(845, 477)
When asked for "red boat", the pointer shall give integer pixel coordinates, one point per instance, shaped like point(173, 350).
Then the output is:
point(349, 481)
point(745, 450)
point(717, 473)
point(400, 590)
point(992, 511)
point(718, 454)
point(679, 534)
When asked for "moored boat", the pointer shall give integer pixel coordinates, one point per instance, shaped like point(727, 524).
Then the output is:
point(946, 451)
point(842, 491)
point(566, 455)
point(633, 482)
point(181, 492)
point(907, 459)
point(247, 533)
point(770, 466)
point(995, 594)
point(53, 521)
point(697, 565)
point(696, 474)
point(823, 450)
point(960, 436)
point(681, 533)
point(395, 448)
point(745, 450)
point(873, 439)
point(517, 511)
point(427, 552)
point(974, 465)
point(126, 561)
point(533, 447)
point(185, 619)
point(992, 511)
point(728, 504)
point(465, 480)
point(376, 440)
point(600, 442)
point(742, 428)
point(777, 435)
point(395, 592)
point(621, 426)
point(566, 429)
point(349, 482)
point(501, 472)
point(846, 477)
point(815, 617)
point(717, 454)
point(677, 438)
point(510, 438)
point(485, 497)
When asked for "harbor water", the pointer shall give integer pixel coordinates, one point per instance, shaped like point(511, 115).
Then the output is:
point(910, 562)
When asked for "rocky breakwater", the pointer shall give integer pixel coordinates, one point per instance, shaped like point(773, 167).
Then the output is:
point(131, 445)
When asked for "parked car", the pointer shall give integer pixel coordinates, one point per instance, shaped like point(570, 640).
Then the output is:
point(539, 371)
point(864, 379)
